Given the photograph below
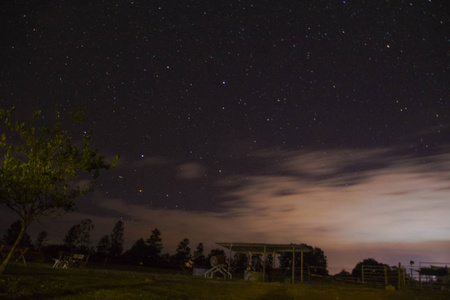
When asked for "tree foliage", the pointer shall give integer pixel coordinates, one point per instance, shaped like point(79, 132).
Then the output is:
point(315, 260)
point(256, 262)
point(199, 255)
point(138, 253)
point(154, 247)
point(116, 240)
point(183, 252)
point(356, 272)
point(41, 167)
point(343, 274)
point(240, 262)
point(214, 252)
point(146, 252)
point(13, 232)
point(103, 246)
point(42, 239)
point(79, 238)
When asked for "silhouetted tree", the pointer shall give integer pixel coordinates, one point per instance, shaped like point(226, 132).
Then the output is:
point(214, 252)
point(42, 239)
point(78, 238)
point(155, 246)
point(356, 272)
point(116, 240)
point(269, 262)
point(167, 259)
point(315, 260)
point(13, 232)
point(343, 274)
point(103, 246)
point(183, 253)
point(138, 253)
point(257, 262)
point(239, 262)
point(199, 256)
point(39, 166)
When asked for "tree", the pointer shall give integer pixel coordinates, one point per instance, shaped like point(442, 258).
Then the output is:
point(356, 272)
point(269, 262)
point(199, 256)
point(343, 274)
point(116, 240)
point(257, 262)
point(40, 167)
point(183, 252)
point(41, 239)
point(78, 238)
point(13, 232)
point(214, 252)
point(138, 253)
point(155, 246)
point(103, 246)
point(240, 262)
point(315, 260)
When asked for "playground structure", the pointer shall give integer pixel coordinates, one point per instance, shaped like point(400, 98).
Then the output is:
point(219, 265)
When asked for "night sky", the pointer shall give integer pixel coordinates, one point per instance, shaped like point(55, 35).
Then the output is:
point(318, 122)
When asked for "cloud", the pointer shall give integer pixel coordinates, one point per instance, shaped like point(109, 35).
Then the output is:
point(395, 204)
point(403, 203)
point(190, 170)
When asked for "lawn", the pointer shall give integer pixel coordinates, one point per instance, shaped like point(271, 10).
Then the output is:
point(41, 281)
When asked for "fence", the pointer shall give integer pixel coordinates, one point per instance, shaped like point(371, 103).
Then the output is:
point(383, 275)
point(434, 275)
point(427, 276)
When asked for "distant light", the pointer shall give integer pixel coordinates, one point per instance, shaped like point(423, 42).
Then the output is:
point(223, 82)
point(142, 155)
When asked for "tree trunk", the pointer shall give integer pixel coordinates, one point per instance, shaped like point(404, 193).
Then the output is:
point(13, 248)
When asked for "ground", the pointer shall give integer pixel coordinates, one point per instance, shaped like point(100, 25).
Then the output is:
point(41, 281)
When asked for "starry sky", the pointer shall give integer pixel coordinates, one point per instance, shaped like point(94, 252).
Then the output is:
point(318, 122)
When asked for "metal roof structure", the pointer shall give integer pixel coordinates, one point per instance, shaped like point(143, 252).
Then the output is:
point(265, 249)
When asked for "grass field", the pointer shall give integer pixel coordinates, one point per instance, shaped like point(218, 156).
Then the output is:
point(41, 281)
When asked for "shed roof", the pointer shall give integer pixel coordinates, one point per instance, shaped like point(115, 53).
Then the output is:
point(264, 248)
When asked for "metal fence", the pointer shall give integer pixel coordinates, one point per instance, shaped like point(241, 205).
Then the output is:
point(381, 275)
point(427, 276)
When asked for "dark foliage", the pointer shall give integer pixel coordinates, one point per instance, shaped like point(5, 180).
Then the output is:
point(12, 234)
point(356, 272)
point(314, 261)
point(116, 240)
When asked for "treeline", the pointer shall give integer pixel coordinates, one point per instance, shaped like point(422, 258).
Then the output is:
point(149, 251)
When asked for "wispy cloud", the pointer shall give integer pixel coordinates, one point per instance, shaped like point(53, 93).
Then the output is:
point(191, 170)
point(403, 203)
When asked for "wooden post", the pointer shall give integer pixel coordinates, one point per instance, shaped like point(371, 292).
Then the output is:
point(229, 258)
point(399, 274)
point(293, 264)
point(385, 275)
point(362, 273)
point(301, 271)
point(273, 259)
point(264, 264)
